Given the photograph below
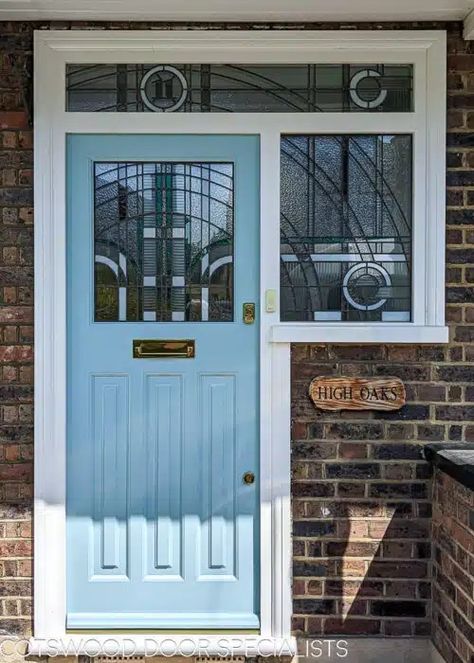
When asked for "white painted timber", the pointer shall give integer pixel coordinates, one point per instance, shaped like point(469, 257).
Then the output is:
point(244, 10)
point(469, 25)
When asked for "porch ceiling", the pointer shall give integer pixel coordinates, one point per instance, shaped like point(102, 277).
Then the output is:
point(242, 10)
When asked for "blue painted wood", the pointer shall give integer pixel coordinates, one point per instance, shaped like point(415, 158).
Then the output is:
point(161, 531)
point(109, 411)
point(164, 440)
point(217, 416)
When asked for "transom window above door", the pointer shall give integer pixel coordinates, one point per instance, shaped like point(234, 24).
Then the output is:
point(240, 88)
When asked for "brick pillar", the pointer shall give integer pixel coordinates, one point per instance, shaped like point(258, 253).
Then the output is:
point(453, 582)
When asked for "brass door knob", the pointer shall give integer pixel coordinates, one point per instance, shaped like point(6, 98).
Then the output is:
point(248, 478)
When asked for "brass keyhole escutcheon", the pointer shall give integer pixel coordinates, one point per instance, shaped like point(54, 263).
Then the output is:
point(248, 478)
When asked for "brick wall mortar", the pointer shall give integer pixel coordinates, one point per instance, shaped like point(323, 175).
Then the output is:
point(453, 577)
point(361, 490)
point(16, 335)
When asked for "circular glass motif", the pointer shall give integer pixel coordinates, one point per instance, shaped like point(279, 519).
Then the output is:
point(163, 89)
point(360, 82)
point(365, 285)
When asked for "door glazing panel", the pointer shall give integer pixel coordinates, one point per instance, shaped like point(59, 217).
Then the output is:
point(163, 237)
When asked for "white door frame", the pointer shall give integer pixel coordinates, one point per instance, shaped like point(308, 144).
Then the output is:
point(53, 49)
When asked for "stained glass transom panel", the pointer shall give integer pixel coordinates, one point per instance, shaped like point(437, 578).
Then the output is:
point(243, 88)
point(346, 228)
point(163, 240)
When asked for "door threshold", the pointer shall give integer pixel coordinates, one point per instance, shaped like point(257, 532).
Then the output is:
point(163, 631)
point(159, 621)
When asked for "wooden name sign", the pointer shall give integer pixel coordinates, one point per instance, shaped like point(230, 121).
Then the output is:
point(344, 393)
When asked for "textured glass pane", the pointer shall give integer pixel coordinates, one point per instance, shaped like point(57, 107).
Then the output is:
point(246, 88)
point(346, 228)
point(163, 236)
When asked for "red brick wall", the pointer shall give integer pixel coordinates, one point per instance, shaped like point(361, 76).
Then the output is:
point(361, 489)
point(453, 578)
point(362, 501)
point(16, 332)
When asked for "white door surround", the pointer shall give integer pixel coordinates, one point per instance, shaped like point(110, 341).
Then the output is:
point(53, 49)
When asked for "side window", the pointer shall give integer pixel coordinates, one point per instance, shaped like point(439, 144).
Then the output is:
point(346, 228)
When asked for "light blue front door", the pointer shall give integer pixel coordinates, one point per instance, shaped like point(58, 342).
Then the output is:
point(163, 244)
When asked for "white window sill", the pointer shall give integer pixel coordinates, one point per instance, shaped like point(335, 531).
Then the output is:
point(357, 333)
point(169, 645)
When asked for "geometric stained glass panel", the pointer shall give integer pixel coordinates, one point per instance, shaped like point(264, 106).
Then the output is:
point(163, 241)
point(346, 228)
point(239, 88)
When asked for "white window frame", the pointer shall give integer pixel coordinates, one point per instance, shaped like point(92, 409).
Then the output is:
point(53, 49)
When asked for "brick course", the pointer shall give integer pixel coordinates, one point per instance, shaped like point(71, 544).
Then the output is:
point(453, 573)
point(361, 489)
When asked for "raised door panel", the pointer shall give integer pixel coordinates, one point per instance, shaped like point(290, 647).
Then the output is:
point(164, 440)
point(218, 449)
point(110, 440)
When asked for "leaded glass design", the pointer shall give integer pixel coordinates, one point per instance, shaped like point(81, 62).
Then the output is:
point(240, 88)
point(163, 241)
point(346, 228)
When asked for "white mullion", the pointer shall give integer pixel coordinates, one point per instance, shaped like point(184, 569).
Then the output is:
point(269, 280)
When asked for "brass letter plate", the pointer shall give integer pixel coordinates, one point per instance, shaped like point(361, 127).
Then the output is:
point(152, 348)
